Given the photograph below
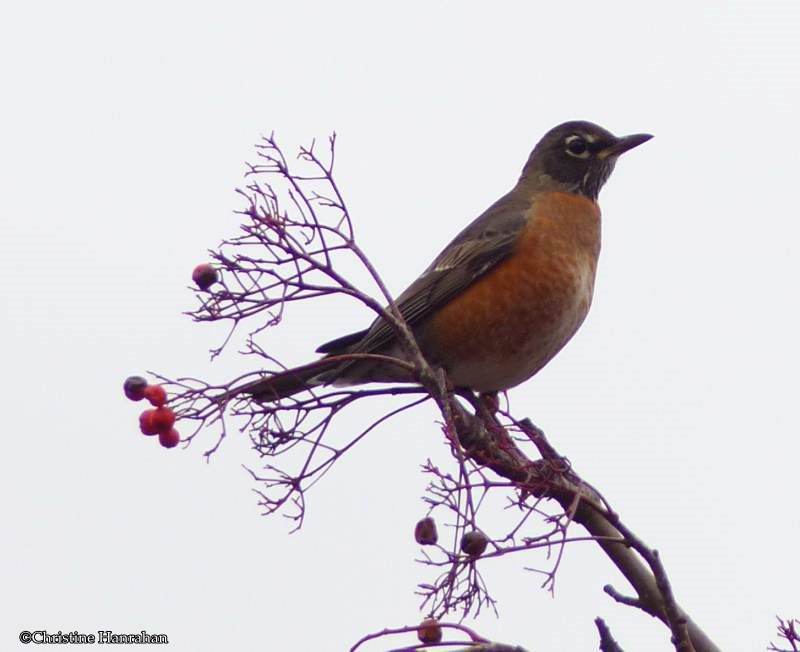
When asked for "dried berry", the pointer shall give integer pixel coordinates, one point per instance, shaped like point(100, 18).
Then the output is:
point(474, 543)
point(425, 532)
point(169, 439)
point(156, 395)
point(135, 387)
point(163, 419)
point(146, 424)
point(429, 631)
point(205, 276)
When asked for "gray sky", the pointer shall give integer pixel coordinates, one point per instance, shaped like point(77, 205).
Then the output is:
point(124, 132)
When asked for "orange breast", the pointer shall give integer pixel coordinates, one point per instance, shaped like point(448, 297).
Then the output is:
point(509, 323)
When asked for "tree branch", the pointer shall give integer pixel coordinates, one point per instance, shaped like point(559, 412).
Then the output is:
point(549, 477)
point(283, 256)
point(607, 642)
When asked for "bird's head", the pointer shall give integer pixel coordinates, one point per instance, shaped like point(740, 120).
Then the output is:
point(578, 157)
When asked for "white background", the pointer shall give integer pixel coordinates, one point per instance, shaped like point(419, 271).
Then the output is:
point(124, 131)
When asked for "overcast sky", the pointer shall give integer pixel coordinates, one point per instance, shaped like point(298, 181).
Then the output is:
point(124, 132)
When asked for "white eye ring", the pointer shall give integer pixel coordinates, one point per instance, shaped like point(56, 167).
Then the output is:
point(577, 146)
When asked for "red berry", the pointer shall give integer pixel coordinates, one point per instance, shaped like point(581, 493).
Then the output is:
point(425, 532)
point(169, 439)
point(146, 423)
point(163, 419)
point(156, 395)
point(205, 276)
point(474, 543)
point(134, 387)
point(429, 631)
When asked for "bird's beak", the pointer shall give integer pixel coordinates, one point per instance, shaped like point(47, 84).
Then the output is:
point(622, 145)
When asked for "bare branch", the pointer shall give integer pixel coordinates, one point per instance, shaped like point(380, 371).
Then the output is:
point(789, 631)
point(296, 238)
point(607, 642)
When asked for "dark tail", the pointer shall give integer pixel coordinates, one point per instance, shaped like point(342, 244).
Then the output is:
point(289, 382)
point(342, 344)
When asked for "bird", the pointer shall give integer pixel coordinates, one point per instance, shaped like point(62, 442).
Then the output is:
point(505, 295)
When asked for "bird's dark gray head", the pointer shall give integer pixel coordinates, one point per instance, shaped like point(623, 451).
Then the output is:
point(578, 157)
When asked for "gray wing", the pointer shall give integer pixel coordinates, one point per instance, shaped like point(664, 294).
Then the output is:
point(473, 252)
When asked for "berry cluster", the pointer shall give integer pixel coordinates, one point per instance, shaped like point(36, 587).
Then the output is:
point(161, 419)
point(158, 421)
point(473, 542)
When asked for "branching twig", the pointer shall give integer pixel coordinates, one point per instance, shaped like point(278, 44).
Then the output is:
point(789, 631)
point(607, 642)
point(296, 238)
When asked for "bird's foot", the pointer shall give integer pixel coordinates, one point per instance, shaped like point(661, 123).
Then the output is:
point(490, 401)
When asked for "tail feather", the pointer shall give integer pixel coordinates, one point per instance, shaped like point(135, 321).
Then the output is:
point(341, 344)
point(291, 381)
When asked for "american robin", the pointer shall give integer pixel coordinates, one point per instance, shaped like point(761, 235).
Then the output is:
point(507, 293)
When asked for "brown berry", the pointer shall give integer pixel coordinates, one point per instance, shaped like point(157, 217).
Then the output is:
point(429, 631)
point(205, 276)
point(156, 395)
point(425, 532)
point(146, 424)
point(169, 439)
point(474, 543)
point(134, 387)
point(163, 419)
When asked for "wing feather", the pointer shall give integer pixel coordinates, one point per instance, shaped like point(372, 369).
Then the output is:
point(487, 241)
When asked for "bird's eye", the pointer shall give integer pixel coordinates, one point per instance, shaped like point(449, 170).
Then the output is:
point(576, 146)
